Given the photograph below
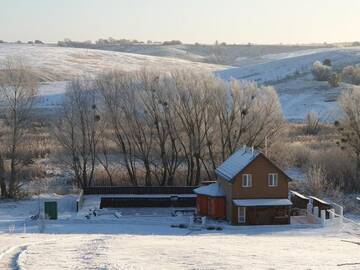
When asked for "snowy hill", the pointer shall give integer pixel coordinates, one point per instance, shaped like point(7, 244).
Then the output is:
point(56, 65)
point(288, 70)
point(59, 64)
point(290, 74)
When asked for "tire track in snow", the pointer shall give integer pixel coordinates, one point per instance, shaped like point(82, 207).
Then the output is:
point(9, 258)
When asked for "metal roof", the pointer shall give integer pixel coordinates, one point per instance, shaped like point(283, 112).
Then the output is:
point(213, 190)
point(262, 202)
point(236, 163)
point(299, 195)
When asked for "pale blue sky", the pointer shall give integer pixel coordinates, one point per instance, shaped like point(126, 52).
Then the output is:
point(233, 21)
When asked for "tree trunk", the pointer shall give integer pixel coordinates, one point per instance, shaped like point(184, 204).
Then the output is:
point(3, 188)
point(358, 171)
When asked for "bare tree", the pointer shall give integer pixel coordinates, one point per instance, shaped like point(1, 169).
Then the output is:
point(79, 130)
point(18, 90)
point(161, 121)
point(349, 125)
point(246, 114)
point(116, 89)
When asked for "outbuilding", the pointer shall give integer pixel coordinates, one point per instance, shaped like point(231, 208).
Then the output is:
point(210, 201)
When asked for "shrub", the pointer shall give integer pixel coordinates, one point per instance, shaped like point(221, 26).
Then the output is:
point(334, 79)
point(312, 123)
point(351, 74)
point(321, 72)
point(172, 42)
point(327, 62)
point(316, 182)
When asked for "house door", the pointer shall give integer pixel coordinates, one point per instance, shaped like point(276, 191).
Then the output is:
point(241, 215)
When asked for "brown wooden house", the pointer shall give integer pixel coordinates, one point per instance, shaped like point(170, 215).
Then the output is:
point(254, 190)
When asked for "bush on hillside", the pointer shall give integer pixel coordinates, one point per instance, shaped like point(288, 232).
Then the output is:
point(321, 72)
point(334, 79)
point(327, 62)
point(312, 123)
point(172, 42)
point(351, 74)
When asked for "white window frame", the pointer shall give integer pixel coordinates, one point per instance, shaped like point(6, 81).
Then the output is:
point(273, 180)
point(246, 180)
point(241, 215)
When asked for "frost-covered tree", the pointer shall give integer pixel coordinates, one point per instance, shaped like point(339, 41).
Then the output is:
point(18, 91)
point(79, 130)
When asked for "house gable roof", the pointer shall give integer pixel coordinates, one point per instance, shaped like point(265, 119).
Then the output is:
point(238, 161)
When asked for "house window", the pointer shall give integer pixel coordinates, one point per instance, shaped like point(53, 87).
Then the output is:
point(246, 180)
point(273, 179)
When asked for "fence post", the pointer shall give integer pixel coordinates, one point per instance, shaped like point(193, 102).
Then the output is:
point(323, 217)
point(316, 212)
point(203, 221)
point(309, 208)
point(341, 214)
point(191, 221)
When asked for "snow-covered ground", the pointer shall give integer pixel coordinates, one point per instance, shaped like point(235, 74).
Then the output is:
point(138, 238)
point(58, 64)
point(290, 74)
point(212, 251)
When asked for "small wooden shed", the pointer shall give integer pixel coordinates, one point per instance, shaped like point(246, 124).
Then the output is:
point(211, 201)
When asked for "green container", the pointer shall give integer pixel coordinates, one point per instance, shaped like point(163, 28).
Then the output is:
point(50, 209)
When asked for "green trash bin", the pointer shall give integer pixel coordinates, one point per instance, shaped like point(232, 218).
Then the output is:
point(50, 209)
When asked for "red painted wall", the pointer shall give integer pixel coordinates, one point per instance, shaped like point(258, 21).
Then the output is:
point(216, 208)
point(202, 205)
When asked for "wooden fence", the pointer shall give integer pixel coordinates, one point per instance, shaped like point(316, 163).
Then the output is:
point(138, 190)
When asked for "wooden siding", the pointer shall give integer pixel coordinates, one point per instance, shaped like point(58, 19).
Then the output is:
point(216, 207)
point(260, 169)
point(202, 205)
point(270, 215)
point(228, 198)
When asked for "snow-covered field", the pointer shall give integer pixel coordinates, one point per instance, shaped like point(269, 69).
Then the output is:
point(144, 239)
point(59, 64)
point(290, 74)
point(212, 251)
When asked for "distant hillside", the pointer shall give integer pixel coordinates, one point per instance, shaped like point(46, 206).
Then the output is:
point(59, 64)
point(290, 74)
point(232, 55)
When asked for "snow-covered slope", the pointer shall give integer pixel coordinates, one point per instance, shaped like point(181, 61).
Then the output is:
point(282, 66)
point(58, 64)
point(291, 75)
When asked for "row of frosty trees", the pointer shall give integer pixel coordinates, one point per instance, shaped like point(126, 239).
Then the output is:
point(156, 128)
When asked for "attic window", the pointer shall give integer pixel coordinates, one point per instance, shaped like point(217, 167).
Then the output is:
point(247, 180)
point(273, 179)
